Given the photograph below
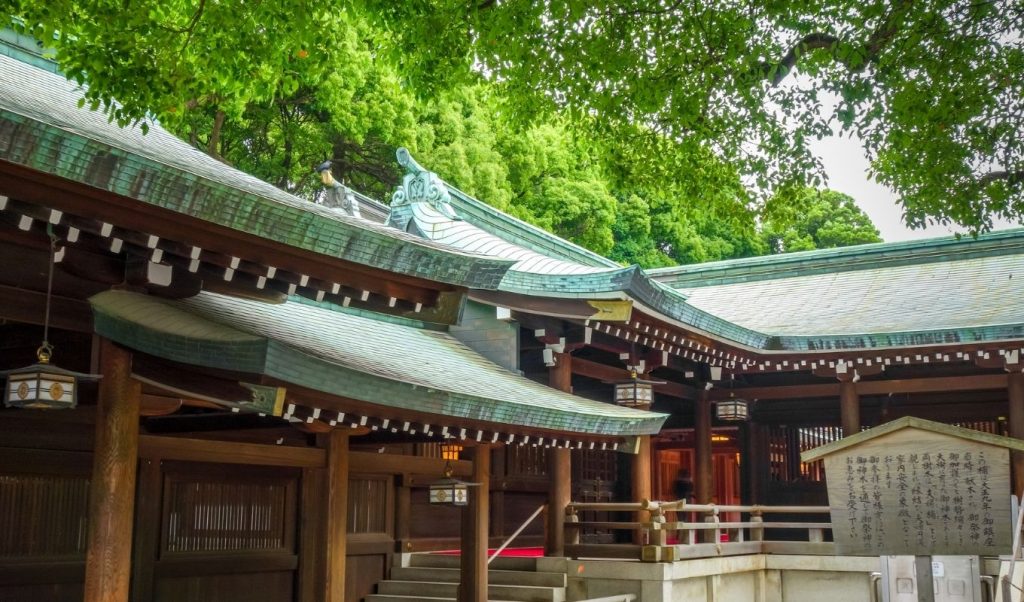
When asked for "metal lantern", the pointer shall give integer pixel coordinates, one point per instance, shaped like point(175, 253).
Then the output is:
point(450, 451)
point(43, 385)
point(450, 490)
point(732, 410)
point(635, 392)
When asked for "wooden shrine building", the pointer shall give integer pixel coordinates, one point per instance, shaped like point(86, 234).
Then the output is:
point(282, 380)
point(279, 379)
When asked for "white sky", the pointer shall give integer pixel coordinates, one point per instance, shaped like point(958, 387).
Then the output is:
point(847, 171)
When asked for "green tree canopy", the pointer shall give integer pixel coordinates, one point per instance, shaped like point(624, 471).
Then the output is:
point(815, 219)
point(277, 89)
point(932, 88)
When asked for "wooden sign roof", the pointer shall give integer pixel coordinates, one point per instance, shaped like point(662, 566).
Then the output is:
point(846, 443)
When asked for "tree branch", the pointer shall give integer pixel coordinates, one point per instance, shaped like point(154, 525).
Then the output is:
point(813, 41)
point(1012, 178)
point(881, 36)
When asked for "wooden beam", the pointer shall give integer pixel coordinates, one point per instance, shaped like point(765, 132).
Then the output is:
point(604, 372)
point(412, 465)
point(229, 452)
point(473, 585)
point(48, 191)
point(22, 305)
point(112, 488)
point(338, 460)
point(939, 384)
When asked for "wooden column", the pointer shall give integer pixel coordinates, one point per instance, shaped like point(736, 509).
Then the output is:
point(703, 485)
point(112, 489)
point(1015, 398)
point(337, 514)
point(849, 405)
point(403, 513)
point(641, 470)
point(473, 586)
point(640, 477)
point(559, 468)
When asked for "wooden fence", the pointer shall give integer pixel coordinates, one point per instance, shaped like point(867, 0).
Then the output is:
point(667, 531)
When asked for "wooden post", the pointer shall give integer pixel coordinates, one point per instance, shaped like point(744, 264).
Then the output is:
point(112, 490)
point(849, 405)
point(1015, 399)
point(559, 468)
point(760, 463)
point(473, 586)
point(403, 513)
point(703, 485)
point(337, 514)
point(641, 481)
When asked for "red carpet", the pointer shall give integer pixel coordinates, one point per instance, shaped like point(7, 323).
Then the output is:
point(513, 552)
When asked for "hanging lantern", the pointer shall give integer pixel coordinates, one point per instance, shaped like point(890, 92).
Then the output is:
point(635, 392)
point(450, 450)
point(42, 385)
point(732, 410)
point(449, 490)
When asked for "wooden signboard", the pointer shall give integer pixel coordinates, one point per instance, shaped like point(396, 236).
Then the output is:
point(919, 488)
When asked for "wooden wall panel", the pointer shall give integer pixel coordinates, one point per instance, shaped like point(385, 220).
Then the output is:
point(241, 587)
point(58, 592)
point(362, 574)
point(432, 521)
point(44, 501)
point(43, 516)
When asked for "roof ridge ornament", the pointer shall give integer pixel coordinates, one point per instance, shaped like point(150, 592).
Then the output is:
point(339, 196)
point(421, 186)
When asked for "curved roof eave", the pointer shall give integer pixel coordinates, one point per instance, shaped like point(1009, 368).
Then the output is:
point(325, 348)
point(49, 133)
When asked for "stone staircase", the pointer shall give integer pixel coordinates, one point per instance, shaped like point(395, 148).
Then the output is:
point(435, 577)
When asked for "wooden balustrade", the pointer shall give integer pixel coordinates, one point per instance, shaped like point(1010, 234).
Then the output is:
point(665, 540)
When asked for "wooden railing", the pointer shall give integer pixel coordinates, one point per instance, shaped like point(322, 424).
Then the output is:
point(668, 531)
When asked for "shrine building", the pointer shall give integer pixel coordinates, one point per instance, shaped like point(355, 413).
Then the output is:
point(216, 390)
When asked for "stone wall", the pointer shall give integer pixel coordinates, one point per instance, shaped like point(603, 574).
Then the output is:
point(751, 578)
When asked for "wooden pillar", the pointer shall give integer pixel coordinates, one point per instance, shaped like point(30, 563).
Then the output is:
point(1015, 398)
point(641, 470)
point(112, 489)
point(849, 405)
point(640, 476)
point(703, 485)
point(403, 513)
point(337, 514)
point(559, 468)
point(758, 463)
point(473, 586)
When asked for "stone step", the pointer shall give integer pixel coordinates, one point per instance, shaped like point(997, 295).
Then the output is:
point(494, 577)
point(451, 561)
point(512, 593)
point(393, 598)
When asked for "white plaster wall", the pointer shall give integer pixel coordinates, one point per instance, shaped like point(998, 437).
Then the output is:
point(814, 586)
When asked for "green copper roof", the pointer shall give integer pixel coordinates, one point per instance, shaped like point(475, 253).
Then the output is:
point(845, 259)
point(928, 292)
point(43, 128)
point(884, 295)
point(324, 348)
point(500, 224)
